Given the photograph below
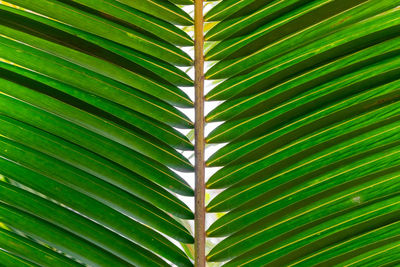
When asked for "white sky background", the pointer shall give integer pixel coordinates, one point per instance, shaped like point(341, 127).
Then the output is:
point(210, 149)
point(208, 106)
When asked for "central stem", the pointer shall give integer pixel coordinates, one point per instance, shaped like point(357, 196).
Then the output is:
point(200, 214)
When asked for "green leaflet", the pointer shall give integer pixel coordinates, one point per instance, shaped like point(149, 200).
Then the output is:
point(309, 166)
point(376, 238)
point(120, 154)
point(93, 45)
point(60, 238)
point(21, 246)
point(240, 25)
point(323, 186)
point(110, 89)
point(135, 141)
point(347, 225)
point(96, 188)
point(105, 28)
point(153, 25)
point(182, 2)
point(308, 132)
point(163, 9)
point(291, 135)
point(339, 140)
point(112, 111)
point(251, 105)
point(82, 65)
point(89, 103)
point(380, 27)
point(244, 242)
point(12, 260)
point(384, 256)
point(230, 8)
point(100, 213)
point(306, 102)
point(95, 165)
point(387, 19)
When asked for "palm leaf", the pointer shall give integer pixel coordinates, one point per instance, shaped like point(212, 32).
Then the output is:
point(89, 97)
point(92, 133)
point(309, 170)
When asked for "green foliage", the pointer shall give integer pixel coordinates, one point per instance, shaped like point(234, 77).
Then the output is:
point(311, 98)
point(91, 151)
point(88, 103)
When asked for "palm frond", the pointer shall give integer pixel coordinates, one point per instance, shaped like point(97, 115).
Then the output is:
point(89, 109)
point(310, 118)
